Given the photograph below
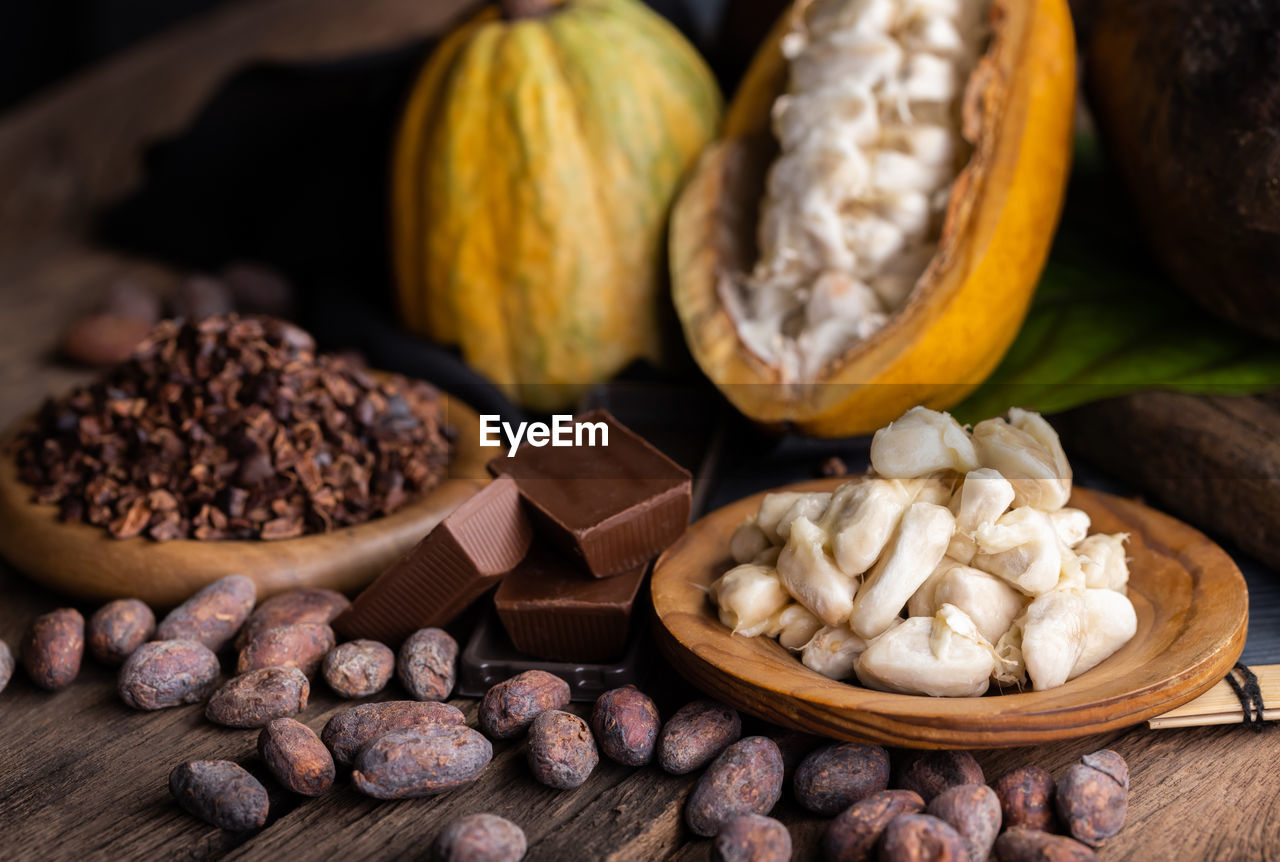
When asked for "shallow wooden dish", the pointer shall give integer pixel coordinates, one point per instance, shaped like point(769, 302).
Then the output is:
point(1192, 608)
point(83, 561)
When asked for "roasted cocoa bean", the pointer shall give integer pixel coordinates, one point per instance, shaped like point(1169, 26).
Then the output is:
point(303, 645)
point(420, 761)
point(350, 730)
point(254, 698)
point(168, 673)
point(745, 779)
point(1026, 798)
point(213, 615)
point(295, 607)
point(921, 838)
point(258, 289)
point(625, 722)
point(852, 835)
point(928, 773)
point(118, 628)
point(53, 647)
point(199, 297)
point(359, 668)
point(1031, 845)
point(752, 838)
point(296, 756)
point(834, 777)
point(973, 810)
point(103, 338)
point(561, 752)
point(695, 734)
point(481, 838)
point(6, 665)
point(428, 664)
point(220, 793)
point(1092, 799)
point(511, 706)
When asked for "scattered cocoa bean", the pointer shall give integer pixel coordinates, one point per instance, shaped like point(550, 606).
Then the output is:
point(481, 838)
point(511, 706)
point(420, 761)
point(973, 810)
point(53, 647)
point(852, 835)
point(695, 734)
point(428, 664)
point(359, 668)
point(103, 339)
point(6, 665)
point(198, 297)
point(1031, 845)
point(258, 289)
point(350, 730)
point(1092, 799)
point(929, 773)
point(296, 756)
point(213, 615)
point(309, 605)
point(752, 838)
point(1026, 798)
point(625, 722)
point(118, 628)
point(795, 747)
point(220, 793)
point(746, 778)
point(561, 752)
point(254, 698)
point(168, 673)
point(921, 838)
point(128, 298)
point(834, 777)
point(303, 646)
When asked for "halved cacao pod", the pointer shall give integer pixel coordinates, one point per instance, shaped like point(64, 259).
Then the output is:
point(966, 308)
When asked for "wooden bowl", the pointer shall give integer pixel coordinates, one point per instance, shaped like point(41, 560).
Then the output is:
point(1190, 598)
point(84, 561)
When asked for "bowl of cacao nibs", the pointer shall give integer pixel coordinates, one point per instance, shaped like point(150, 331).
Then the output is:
point(231, 446)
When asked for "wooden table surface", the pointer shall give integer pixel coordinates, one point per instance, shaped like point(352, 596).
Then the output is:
point(84, 777)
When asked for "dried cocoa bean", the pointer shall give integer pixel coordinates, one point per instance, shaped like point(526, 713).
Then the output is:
point(296, 756)
point(511, 706)
point(428, 664)
point(745, 779)
point(695, 734)
point(625, 722)
point(104, 338)
point(973, 810)
point(561, 752)
point(6, 665)
point(220, 793)
point(295, 607)
point(834, 777)
point(303, 645)
point(254, 698)
point(53, 647)
point(199, 297)
point(481, 838)
point(118, 628)
point(1031, 845)
point(852, 835)
point(168, 673)
point(1093, 797)
point(752, 838)
point(1026, 798)
point(359, 668)
point(921, 838)
point(420, 761)
point(929, 773)
point(213, 615)
point(258, 289)
point(350, 730)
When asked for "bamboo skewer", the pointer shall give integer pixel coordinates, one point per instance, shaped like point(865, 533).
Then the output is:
point(1220, 705)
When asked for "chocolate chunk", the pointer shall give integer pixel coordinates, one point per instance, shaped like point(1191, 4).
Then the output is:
point(466, 554)
point(616, 507)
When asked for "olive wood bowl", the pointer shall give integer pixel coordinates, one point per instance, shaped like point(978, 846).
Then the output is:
point(1190, 598)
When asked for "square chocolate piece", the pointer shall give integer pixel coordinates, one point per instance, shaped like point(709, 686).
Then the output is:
point(614, 506)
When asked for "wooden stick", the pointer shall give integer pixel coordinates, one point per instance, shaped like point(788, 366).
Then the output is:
point(1220, 705)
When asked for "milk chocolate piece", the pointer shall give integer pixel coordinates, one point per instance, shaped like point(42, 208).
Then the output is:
point(553, 609)
point(615, 507)
point(466, 554)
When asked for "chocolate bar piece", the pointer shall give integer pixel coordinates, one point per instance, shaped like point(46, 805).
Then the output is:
point(615, 507)
point(553, 609)
point(466, 554)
